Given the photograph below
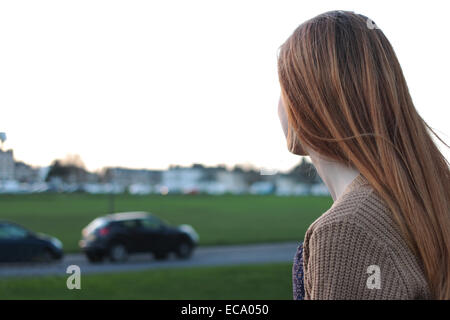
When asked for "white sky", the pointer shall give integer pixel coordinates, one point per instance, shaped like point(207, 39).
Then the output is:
point(146, 84)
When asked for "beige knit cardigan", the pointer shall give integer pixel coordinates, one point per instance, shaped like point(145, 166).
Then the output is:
point(355, 251)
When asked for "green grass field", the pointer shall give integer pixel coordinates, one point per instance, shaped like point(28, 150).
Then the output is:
point(266, 281)
point(227, 219)
point(219, 220)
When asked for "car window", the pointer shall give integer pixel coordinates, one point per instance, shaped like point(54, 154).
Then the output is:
point(150, 223)
point(8, 231)
point(129, 223)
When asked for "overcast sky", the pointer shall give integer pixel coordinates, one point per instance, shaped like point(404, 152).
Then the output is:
point(146, 84)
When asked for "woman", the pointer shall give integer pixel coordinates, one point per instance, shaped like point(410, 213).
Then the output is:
point(345, 103)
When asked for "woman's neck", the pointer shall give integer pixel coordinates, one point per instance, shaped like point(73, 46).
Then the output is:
point(336, 175)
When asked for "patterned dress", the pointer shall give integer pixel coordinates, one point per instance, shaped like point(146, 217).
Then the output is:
point(297, 274)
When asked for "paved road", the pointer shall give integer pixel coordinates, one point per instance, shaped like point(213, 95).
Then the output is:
point(202, 256)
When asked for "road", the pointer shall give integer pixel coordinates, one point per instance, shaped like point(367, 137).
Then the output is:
point(202, 256)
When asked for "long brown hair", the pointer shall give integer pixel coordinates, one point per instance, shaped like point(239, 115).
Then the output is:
point(347, 99)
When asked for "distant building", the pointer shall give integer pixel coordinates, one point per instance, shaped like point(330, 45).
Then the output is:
point(127, 177)
point(6, 165)
point(179, 179)
point(287, 186)
point(262, 187)
point(320, 189)
point(72, 176)
point(232, 182)
point(25, 173)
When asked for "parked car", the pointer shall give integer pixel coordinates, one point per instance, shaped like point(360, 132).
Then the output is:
point(118, 235)
point(19, 244)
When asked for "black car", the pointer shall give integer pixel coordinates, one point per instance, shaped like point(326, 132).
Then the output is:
point(18, 244)
point(115, 236)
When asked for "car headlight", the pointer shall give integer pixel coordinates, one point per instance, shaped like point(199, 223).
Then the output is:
point(58, 244)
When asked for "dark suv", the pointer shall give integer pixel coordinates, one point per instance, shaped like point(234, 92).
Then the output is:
point(18, 244)
point(115, 236)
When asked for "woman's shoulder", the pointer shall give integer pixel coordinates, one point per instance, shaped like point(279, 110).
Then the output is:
point(358, 199)
point(362, 215)
point(359, 231)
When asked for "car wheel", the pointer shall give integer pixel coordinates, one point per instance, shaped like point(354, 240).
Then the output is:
point(45, 256)
point(161, 255)
point(184, 250)
point(94, 258)
point(118, 253)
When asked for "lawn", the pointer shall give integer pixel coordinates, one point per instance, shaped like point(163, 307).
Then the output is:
point(264, 281)
point(227, 219)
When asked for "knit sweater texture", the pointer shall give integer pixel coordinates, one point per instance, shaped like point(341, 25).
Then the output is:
point(355, 251)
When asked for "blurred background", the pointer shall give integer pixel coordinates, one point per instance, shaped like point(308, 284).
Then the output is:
point(169, 108)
